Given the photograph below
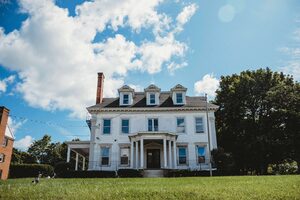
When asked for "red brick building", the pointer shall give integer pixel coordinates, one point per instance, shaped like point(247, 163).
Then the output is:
point(6, 143)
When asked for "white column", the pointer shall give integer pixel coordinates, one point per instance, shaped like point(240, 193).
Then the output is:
point(68, 154)
point(131, 153)
point(170, 154)
point(165, 153)
point(76, 163)
point(174, 154)
point(83, 163)
point(142, 153)
point(136, 154)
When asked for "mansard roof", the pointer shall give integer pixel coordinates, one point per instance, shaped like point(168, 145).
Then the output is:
point(165, 101)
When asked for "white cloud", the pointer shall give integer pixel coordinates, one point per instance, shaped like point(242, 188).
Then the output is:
point(292, 68)
point(23, 143)
point(172, 67)
point(57, 60)
point(208, 84)
point(186, 14)
point(13, 126)
point(5, 82)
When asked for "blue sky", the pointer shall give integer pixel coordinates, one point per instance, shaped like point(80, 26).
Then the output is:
point(51, 51)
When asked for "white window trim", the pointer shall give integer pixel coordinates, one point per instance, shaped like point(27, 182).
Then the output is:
point(109, 155)
point(129, 156)
point(187, 155)
point(129, 128)
point(154, 99)
point(152, 124)
point(102, 130)
point(203, 124)
point(184, 118)
point(182, 96)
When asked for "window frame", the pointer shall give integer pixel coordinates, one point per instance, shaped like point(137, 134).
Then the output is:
point(153, 95)
point(179, 93)
point(184, 125)
point(5, 142)
point(128, 157)
point(124, 126)
point(203, 128)
point(197, 154)
point(103, 127)
point(152, 126)
point(123, 100)
point(2, 157)
point(101, 156)
point(186, 155)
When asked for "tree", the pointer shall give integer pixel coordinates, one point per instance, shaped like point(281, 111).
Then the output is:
point(258, 120)
point(39, 148)
point(21, 157)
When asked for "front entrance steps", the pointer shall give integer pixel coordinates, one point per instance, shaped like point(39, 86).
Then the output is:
point(153, 173)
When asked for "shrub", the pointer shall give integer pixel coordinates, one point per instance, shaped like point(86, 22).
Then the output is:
point(29, 170)
point(186, 173)
point(88, 174)
point(223, 161)
point(62, 168)
point(288, 166)
point(129, 173)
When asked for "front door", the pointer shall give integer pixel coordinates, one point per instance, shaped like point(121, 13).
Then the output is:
point(153, 158)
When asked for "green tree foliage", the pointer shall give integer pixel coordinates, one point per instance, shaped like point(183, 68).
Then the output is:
point(21, 157)
point(259, 119)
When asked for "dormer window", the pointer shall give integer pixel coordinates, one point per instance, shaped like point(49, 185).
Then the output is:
point(178, 94)
point(152, 93)
point(179, 98)
point(152, 99)
point(125, 99)
point(126, 94)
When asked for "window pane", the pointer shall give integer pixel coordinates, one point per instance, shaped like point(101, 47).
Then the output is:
point(179, 97)
point(106, 122)
point(124, 160)
point(124, 156)
point(106, 126)
point(106, 130)
point(105, 160)
point(149, 124)
point(182, 152)
point(125, 126)
point(152, 98)
point(125, 99)
point(199, 125)
point(105, 152)
point(180, 125)
point(201, 151)
point(155, 124)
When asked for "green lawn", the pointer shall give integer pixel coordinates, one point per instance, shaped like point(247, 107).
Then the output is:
point(239, 187)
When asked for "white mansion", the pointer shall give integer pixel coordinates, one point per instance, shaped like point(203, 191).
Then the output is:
point(153, 129)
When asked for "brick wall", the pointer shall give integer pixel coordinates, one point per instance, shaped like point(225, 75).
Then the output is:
point(5, 149)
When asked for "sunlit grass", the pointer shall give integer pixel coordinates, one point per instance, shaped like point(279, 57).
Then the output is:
point(239, 187)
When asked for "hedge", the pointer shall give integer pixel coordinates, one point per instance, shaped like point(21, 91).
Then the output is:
point(124, 173)
point(29, 170)
point(187, 173)
point(88, 174)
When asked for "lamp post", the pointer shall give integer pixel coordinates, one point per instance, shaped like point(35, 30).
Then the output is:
point(208, 135)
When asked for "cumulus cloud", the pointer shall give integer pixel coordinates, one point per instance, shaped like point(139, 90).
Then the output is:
point(4, 82)
point(208, 84)
point(24, 142)
point(57, 59)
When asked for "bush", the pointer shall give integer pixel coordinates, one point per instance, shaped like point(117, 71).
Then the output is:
point(62, 168)
point(88, 174)
point(123, 173)
point(288, 166)
point(223, 161)
point(29, 170)
point(186, 173)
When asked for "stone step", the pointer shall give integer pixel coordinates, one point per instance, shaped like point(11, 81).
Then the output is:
point(153, 173)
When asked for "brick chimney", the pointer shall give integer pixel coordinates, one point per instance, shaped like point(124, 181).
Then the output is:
point(100, 88)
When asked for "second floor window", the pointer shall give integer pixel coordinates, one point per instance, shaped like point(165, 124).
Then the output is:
point(180, 125)
point(199, 125)
point(152, 124)
point(5, 141)
point(104, 155)
point(125, 126)
point(125, 99)
point(179, 98)
point(152, 98)
point(106, 126)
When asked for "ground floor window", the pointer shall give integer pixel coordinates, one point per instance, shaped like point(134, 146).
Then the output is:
point(105, 155)
point(2, 157)
point(124, 155)
point(182, 155)
point(201, 154)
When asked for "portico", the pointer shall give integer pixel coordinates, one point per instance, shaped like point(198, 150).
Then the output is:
point(153, 150)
